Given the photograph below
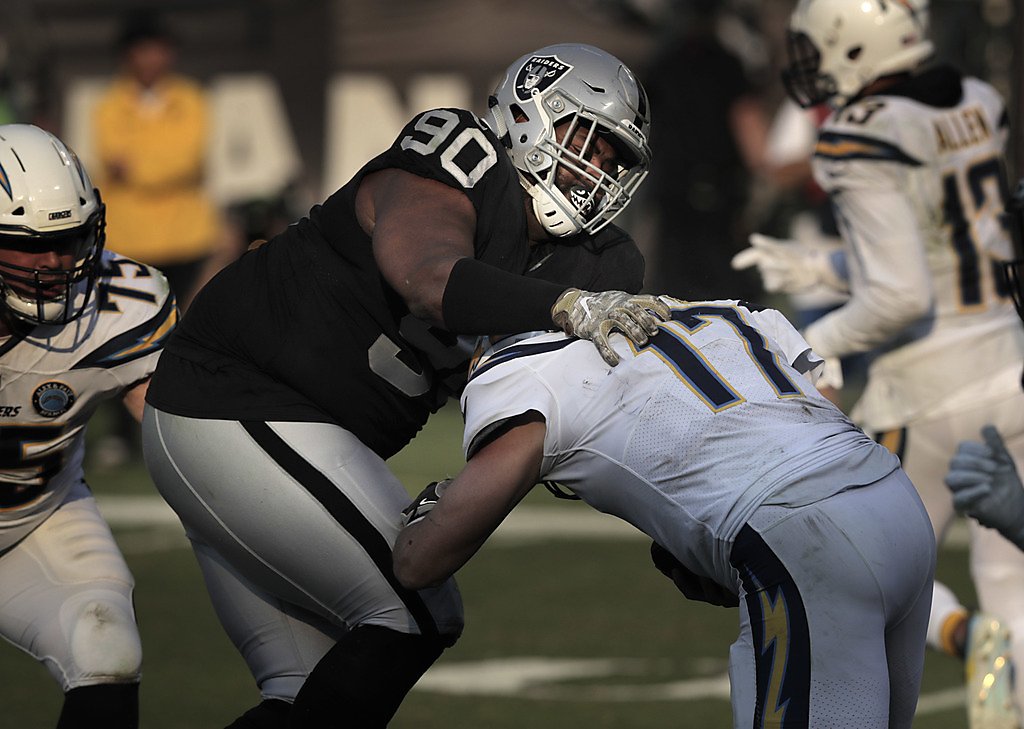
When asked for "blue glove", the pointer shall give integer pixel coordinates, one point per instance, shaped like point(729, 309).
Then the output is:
point(986, 486)
point(692, 585)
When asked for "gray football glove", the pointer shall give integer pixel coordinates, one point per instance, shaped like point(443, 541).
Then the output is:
point(594, 316)
point(986, 486)
point(425, 502)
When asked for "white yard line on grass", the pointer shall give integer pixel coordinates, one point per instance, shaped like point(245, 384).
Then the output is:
point(535, 677)
point(154, 528)
point(525, 525)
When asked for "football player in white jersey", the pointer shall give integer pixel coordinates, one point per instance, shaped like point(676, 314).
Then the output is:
point(912, 157)
point(78, 325)
point(713, 440)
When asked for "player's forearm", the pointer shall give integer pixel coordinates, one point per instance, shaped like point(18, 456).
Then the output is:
point(867, 321)
point(472, 506)
point(482, 299)
point(424, 556)
point(134, 399)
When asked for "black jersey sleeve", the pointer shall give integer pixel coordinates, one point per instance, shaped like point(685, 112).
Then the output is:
point(609, 260)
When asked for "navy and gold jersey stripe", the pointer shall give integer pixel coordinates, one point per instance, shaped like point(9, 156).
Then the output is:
point(137, 342)
point(520, 350)
point(841, 146)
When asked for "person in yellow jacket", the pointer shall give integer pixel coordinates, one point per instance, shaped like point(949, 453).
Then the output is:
point(151, 131)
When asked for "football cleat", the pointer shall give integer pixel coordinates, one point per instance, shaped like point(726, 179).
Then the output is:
point(989, 674)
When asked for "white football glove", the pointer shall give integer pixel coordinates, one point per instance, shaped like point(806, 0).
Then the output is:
point(789, 266)
point(594, 316)
point(425, 502)
point(986, 486)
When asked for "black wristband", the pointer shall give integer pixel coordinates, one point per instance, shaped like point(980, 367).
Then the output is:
point(482, 299)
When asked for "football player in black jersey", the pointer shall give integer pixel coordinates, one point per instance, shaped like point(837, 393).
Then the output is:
point(304, 365)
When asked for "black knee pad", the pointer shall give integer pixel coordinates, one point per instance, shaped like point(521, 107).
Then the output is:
point(110, 705)
point(363, 678)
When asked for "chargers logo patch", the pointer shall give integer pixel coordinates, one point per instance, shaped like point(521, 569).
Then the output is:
point(538, 74)
point(52, 399)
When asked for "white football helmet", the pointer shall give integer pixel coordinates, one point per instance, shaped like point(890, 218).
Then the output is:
point(837, 47)
point(589, 89)
point(47, 202)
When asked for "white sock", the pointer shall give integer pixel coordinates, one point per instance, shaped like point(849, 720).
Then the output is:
point(947, 612)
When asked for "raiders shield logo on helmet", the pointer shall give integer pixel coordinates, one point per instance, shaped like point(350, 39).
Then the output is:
point(538, 74)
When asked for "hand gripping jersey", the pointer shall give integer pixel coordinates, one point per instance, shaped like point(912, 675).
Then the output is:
point(689, 434)
point(53, 378)
point(917, 184)
point(305, 328)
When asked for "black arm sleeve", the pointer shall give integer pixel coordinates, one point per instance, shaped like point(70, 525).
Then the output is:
point(482, 299)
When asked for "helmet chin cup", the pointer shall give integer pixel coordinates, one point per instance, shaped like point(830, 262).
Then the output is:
point(555, 218)
point(53, 311)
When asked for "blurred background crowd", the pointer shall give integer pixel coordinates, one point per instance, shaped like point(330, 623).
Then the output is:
point(246, 112)
point(211, 123)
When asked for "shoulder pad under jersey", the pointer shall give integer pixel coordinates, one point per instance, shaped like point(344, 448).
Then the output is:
point(869, 143)
point(132, 314)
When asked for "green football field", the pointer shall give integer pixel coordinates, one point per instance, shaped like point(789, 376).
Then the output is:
point(568, 625)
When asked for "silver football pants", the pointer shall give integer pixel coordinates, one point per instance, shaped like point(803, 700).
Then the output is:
point(293, 525)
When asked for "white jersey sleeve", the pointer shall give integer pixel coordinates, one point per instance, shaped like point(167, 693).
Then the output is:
point(515, 392)
point(54, 378)
point(893, 288)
